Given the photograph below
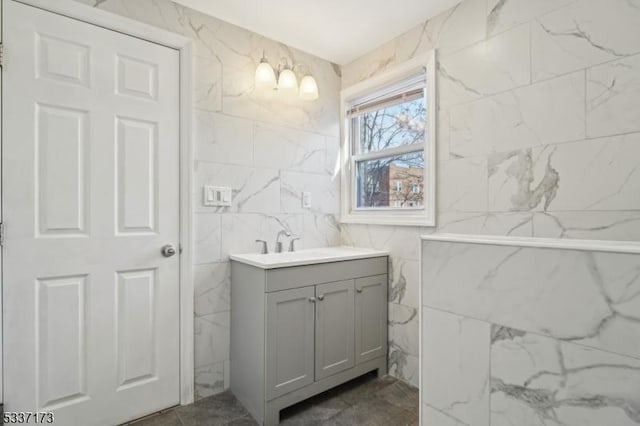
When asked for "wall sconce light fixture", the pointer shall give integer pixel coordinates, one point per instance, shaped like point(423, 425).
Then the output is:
point(284, 79)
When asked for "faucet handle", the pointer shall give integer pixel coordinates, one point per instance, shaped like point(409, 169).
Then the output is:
point(264, 249)
point(291, 243)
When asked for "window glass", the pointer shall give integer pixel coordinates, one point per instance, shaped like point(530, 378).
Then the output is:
point(389, 182)
point(392, 125)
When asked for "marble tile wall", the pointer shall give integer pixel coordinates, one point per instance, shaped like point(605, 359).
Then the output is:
point(538, 131)
point(267, 149)
point(527, 336)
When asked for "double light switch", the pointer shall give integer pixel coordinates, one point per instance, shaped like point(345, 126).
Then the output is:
point(216, 196)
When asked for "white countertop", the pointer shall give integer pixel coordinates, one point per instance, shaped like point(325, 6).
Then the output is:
point(306, 256)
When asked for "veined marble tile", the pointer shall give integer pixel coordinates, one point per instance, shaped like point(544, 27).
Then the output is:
point(568, 177)
point(431, 416)
point(544, 113)
point(254, 190)
point(402, 241)
point(283, 148)
point(402, 365)
point(159, 13)
point(583, 34)
point(324, 189)
point(319, 230)
point(332, 159)
point(443, 141)
point(206, 238)
point(455, 366)
point(404, 282)
point(516, 224)
point(460, 26)
point(370, 64)
point(452, 30)
point(239, 231)
point(212, 288)
point(587, 297)
point(540, 381)
point(210, 380)
point(403, 328)
point(611, 225)
point(223, 139)
point(208, 84)
point(613, 96)
point(212, 338)
point(505, 14)
point(498, 64)
point(462, 185)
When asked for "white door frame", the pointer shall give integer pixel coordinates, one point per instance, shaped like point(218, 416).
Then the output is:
point(183, 45)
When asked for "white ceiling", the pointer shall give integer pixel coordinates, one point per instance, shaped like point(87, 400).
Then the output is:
point(337, 30)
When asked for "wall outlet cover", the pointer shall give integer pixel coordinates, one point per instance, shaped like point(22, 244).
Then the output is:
point(306, 200)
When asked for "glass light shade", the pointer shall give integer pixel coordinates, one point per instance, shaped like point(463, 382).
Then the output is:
point(287, 82)
point(265, 76)
point(308, 88)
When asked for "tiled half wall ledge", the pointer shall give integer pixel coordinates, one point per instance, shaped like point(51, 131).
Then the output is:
point(529, 331)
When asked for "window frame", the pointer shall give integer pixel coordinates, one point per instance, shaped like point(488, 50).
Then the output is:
point(390, 215)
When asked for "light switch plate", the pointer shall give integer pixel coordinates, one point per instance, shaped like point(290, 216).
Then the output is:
point(216, 196)
point(306, 200)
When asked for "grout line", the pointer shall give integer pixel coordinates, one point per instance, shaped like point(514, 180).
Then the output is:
point(543, 80)
point(536, 333)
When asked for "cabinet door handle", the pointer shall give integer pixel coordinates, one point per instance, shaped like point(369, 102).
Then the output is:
point(321, 297)
point(358, 290)
point(312, 300)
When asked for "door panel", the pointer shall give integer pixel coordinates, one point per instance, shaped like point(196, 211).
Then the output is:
point(91, 189)
point(62, 326)
point(61, 189)
point(371, 314)
point(334, 328)
point(290, 327)
point(62, 59)
point(136, 175)
point(136, 327)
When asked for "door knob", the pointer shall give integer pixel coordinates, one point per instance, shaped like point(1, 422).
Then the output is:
point(168, 250)
point(321, 297)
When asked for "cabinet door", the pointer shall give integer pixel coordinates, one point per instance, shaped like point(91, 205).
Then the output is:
point(371, 317)
point(289, 340)
point(334, 328)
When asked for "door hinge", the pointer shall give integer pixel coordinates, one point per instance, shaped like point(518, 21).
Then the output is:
point(1, 55)
point(1, 234)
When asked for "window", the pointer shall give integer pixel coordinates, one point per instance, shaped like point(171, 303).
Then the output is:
point(389, 144)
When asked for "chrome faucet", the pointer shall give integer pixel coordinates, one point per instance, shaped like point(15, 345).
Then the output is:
point(264, 249)
point(278, 242)
point(291, 245)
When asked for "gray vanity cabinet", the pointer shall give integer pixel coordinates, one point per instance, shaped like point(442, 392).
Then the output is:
point(371, 327)
point(290, 349)
point(335, 337)
point(298, 331)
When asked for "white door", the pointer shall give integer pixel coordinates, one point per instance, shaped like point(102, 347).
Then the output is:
point(90, 196)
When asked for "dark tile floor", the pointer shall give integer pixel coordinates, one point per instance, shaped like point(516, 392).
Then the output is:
point(367, 400)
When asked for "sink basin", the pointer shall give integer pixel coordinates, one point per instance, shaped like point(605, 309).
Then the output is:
point(306, 257)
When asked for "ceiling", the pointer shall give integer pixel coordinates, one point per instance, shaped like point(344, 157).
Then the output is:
point(337, 30)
